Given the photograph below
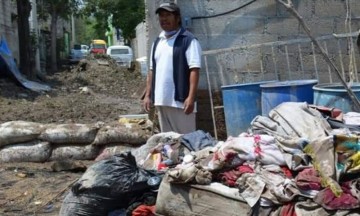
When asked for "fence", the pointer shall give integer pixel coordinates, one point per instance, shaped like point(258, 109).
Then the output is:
point(295, 59)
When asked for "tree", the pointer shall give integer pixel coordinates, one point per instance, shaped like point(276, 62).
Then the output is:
point(23, 10)
point(58, 9)
point(85, 31)
point(126, 14)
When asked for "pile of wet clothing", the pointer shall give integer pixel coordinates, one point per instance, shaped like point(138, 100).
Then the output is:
point(298, 158)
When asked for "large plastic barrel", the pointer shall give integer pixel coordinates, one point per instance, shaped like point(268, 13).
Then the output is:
point(334, 95)
point(242, 102)
point(273, 94)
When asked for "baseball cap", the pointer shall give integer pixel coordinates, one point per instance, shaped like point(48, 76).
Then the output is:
point(171, 7)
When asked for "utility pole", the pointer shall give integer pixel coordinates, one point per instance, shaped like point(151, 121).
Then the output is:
point(35, 28)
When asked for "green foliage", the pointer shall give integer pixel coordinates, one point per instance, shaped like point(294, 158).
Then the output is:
point(126, 14)
point(85, 31)
point(61, 8)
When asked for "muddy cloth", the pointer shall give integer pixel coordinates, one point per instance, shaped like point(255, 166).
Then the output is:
point(247, 147)
point(189, 173)
point(146, 199)
point(323, 154)
point(197, 140)
point(335, 124)
point(272, 186)
point(288, 210)
point(144, 210)
point(294, 125)
point(347, 148)
point(229, 177)
point(308, 179)
point(355, 188)
point(308, 207)
point(352, 118)
point(327, 199)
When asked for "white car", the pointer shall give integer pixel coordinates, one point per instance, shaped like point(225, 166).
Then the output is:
point(123, 55)
point(85, 49)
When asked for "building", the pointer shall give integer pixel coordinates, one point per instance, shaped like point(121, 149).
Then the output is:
point(8, 26)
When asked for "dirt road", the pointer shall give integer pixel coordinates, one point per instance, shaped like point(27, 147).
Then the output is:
point(85, 93)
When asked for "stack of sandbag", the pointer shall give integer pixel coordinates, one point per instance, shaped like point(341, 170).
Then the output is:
point(19, 142)
point(22, 141)
point(71, 141)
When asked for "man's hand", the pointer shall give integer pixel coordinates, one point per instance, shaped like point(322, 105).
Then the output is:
point(147, 103)
point(188, 105)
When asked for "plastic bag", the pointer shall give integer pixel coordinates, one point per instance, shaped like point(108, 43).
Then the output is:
point(107, 185)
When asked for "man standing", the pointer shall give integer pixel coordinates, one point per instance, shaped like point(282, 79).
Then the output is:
point(173, 78)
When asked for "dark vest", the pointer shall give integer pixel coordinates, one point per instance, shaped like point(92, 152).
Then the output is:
point(180, 65)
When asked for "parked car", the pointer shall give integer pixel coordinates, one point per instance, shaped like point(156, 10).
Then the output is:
point(77, 53)
point(85, 49)
point(123, 55)
point(98, 47)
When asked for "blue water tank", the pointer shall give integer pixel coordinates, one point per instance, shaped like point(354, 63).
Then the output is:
point(334, 95)
point(242, 102)
point(275, 93)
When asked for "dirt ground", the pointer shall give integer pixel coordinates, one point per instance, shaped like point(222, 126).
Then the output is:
point(87, 92)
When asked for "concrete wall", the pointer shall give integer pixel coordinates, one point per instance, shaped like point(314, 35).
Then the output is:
point(141, 40)
point(220, 24)
point(8, 26)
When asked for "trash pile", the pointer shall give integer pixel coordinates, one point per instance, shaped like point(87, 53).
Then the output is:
point(299, 160)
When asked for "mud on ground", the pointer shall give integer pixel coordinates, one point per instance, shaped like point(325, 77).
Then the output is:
point(83, 93)
point(87, 92)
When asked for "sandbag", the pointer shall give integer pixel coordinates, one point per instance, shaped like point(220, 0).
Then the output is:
point(35, 151)
point(190, 200)
point(70, 133)
point(124, 133)
point(19, 131)
point(87, 152)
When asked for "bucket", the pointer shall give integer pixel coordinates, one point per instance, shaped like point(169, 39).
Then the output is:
point(334, 95)
point(273, 94)
point(242, 102)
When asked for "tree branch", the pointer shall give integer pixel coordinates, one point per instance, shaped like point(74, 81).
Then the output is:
point(290, 7)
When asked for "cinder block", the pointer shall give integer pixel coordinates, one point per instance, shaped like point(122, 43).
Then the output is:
point(330, 8)
point(319, 26)
point(282, 26)
point(342, 27)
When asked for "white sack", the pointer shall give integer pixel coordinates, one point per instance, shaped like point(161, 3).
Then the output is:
point(70, 133)
point(120, 133)
point(35, 151)
point(19, 131)
point(87, 152)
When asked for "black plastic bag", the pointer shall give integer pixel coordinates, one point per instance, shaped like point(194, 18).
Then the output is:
point(107, 185)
